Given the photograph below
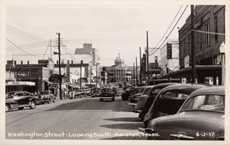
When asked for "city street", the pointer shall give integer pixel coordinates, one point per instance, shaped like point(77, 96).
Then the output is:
point(114, 70)
point(75, 119)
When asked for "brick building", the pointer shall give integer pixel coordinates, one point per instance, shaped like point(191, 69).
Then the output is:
point(209, 30)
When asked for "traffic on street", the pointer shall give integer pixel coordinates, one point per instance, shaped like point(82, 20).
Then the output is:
point(115, 70)
point(165, 107)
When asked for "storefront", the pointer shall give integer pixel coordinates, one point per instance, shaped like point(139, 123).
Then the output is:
point(208, 74)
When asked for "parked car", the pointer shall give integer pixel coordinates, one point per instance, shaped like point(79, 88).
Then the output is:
point(201, 117)
point(19, 100)
point(169, 100)
point(127, 93)
point(145, 103)
point(47, 98)
point(107, 94)
point(97, 93)
point(138, 91)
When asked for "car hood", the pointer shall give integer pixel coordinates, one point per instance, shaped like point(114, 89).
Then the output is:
point(143, 96)
point(197, 124)
point(137, 94)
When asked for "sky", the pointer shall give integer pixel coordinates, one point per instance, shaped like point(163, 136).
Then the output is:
point(112, 26)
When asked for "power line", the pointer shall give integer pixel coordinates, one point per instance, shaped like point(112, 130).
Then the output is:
point(169, 26)
point(19, 47)
point(171, 30)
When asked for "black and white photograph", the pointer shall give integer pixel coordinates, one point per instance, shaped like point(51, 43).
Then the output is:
point(114, 70)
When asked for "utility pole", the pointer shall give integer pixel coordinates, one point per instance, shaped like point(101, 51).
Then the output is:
point(192, 46)
point(140, 80)
point(59, 64)
point(136, 73)
point(147, 51)
point(147, 56)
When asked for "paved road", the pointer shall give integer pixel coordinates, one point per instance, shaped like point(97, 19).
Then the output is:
point(75, 119)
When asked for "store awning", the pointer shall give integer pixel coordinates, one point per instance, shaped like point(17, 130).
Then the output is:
point(197, 67)
point(20, 83)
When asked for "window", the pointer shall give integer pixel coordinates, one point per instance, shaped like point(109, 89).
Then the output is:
point(210, 102)
point(206, 35)
point(216, 27)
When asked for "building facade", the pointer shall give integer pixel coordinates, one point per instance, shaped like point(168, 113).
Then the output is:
point(36, 73)
point(119, 72)
point(209, 34)
point(169, 57)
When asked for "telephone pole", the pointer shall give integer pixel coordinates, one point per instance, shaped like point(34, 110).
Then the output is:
point(59, 64)
point(136, 78)
point(147, 55)
point(140, 80)
point(192, 46)
point(134, 81)
point(147, 51)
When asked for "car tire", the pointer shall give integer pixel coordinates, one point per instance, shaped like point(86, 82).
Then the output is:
point(32, 105)
point(113, 99)
point(100, 99)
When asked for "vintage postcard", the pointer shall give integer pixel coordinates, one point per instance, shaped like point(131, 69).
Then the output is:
point(114, 71)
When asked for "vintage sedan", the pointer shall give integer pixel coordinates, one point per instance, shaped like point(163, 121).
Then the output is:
point(107, 94)
point(19, 100)
point(145, 90)
point(138, 92)
point(169, 100)
point(128, 92)
point(201, 117)
point(145, 103)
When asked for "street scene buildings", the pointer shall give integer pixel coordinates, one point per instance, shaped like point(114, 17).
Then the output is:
point(65, 94)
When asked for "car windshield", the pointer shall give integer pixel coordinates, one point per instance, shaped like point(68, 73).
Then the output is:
point(209, 102)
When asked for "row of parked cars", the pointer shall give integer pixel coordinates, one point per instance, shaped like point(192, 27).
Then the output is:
point(23, 99)
point(179, 111)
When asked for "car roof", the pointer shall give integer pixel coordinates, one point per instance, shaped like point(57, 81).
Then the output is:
point(148, 86)
point(181, 87)
point(218, 90)
point(21, 92)
point(165, 84)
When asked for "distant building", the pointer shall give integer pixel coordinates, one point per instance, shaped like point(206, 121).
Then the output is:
point(169, 57)
point(70, 63)
point(119, 72)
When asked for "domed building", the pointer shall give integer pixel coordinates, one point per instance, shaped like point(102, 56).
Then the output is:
point(119, 72)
